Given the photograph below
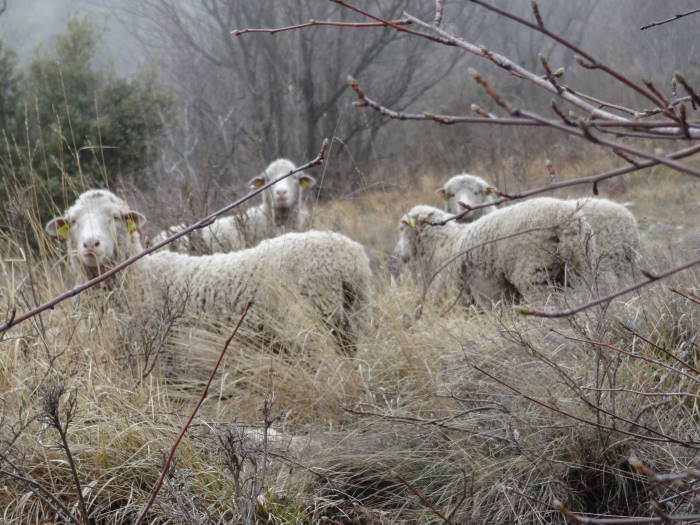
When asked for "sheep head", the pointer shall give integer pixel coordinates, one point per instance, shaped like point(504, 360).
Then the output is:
point(286, 193)
point(95, 229)
point(469, 189)
point(412, 226)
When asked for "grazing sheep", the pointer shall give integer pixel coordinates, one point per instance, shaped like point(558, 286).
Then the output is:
point(470, 190)
point(281, 211)
point(324, 275)
point(614, 227)
point(617, 237)
point(515, 252)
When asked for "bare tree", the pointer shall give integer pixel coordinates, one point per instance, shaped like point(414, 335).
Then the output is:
point(245, 101)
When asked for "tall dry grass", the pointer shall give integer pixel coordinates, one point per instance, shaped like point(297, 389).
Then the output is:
point(355, 438)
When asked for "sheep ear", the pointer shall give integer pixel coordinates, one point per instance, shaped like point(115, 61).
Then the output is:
point(442, 193)
point(58, 227)
point(411, 221)
point(307, 181)
point(256, 182)
point(134, 220)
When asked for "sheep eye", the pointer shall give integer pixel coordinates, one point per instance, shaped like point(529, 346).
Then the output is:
point(71, 221)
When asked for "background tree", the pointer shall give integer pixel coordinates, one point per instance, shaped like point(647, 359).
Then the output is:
point(85, 126)
point(258, 97)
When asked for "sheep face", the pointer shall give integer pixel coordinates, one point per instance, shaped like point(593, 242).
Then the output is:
point(468, 189)
point(405, 248)
point(411, 228)
point(95, 229)
point(286, 193)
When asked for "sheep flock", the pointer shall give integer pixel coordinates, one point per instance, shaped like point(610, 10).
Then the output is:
point(521, 253)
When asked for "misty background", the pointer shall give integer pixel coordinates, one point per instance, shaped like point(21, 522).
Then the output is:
point(212, 109)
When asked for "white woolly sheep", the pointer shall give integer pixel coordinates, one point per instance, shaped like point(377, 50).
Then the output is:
point(614, 227)
point(281, 211)
point(470, 190)
point(616, 235)
point(515, 252)
point(324, 274)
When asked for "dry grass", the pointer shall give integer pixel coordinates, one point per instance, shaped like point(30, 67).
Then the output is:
point(411, 404)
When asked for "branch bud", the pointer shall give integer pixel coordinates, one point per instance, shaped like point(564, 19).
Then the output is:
point(583, 62)
point(559, 72)
point(352, 82)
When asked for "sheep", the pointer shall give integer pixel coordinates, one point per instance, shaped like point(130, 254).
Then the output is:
point(514, 252)
point(470, 190)
point(614, 227)
point(282, 208)
point(322, 274)
point(281, 211)
point(616, 234)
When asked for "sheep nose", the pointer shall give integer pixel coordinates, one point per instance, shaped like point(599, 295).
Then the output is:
point(281, 193)
point(91, 244)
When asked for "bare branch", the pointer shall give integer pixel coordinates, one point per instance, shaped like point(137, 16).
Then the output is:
point(438, 13)
point(487, 118)
point(238, 32)
point(206, 221)
point(592, 61)
point(676, 17)
point(690, 296)
point(424, 500)
point(665, 439)
point(585, 133)
point(650, 279)
point(173, 448)
point(693, 94)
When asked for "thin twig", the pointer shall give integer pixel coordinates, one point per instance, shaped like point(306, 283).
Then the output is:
point(664, 439)
point(660, 348)
point(365, 101)
point(640, 393)
point(630, 354)
point(438, 13)
point(176, 443)
point(202, 223)
point(650, 279)
point(676, 17)
point(44, 495)
point(592, 61)
point(423, 499)
point(272, 31)
point(690, 297)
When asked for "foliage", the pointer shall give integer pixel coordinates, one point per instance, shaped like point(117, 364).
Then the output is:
point(83, 124)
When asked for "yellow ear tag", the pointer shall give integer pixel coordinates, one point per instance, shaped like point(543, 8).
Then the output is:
point(257, 183)
point(62, 232)
point(131, 226)
point(304, 183)
point(444, 195)
point(412, 223)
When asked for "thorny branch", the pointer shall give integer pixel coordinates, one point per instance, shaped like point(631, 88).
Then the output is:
point(202, 223)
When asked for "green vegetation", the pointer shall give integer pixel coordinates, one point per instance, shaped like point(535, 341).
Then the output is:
point(69, 123)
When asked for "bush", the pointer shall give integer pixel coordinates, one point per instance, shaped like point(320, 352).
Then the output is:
point(80, 124)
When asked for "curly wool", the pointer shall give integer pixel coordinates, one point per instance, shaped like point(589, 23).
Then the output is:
point(324, 274)
point(519, 251)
